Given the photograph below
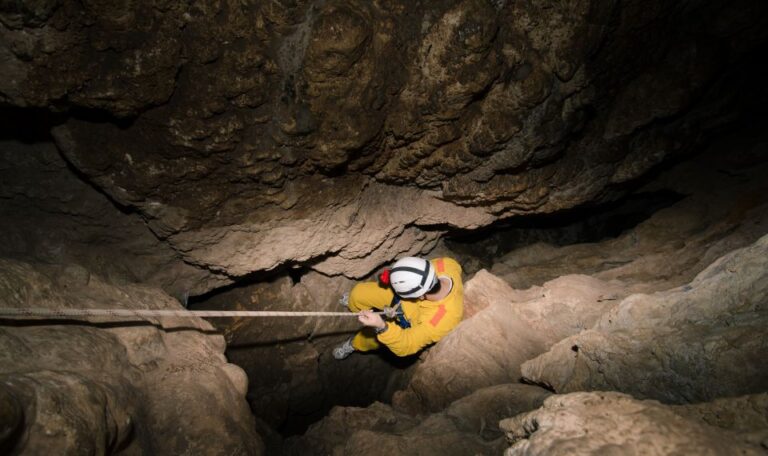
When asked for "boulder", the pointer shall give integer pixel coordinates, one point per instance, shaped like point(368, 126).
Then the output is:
point(101, 386)
point(468, 426)
point(693, 343)
point(745, 415)
point(489, 348)
point(615, 423)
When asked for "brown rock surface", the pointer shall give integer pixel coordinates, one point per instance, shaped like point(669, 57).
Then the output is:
point(189, 146)
point(468, 426)
point(614, 423)
point(341, 134)
point(694, 343)
point(49, 215)
point(723, 208)
point(288, 360)
point(746, 415)
point(481, 411)
point(160, 387)
point(515, 326)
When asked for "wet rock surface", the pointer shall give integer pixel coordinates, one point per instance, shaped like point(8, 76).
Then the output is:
point(106, 387)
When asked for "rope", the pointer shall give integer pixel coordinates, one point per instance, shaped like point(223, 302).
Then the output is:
point(143, 313)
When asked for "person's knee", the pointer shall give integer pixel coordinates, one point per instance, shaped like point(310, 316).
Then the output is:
point(368, 295)
point(357, 298)
point(365, 340)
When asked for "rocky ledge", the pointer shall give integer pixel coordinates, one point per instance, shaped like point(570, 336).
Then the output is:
point(114, 387)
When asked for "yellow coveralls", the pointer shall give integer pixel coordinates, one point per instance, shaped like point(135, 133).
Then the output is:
point(430, 320)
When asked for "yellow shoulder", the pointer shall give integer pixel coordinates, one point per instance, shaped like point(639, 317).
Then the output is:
point(447, 265)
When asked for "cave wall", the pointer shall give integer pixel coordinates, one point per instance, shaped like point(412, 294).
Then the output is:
point(49, 215)
point(666, 348)
point(189, 146)
point(106, 386)
point(294, 380)
point(341, 134)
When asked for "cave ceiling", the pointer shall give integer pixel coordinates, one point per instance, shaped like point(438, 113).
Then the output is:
point(340, 134)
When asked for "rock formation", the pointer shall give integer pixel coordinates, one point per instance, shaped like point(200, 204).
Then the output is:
point(695, 343)
point(488, 348)
point(468, 426)
point(160, 387)
point(349, 132)
point(288, 360)
point(51, 216)
point(613, 423)
point(722, 207)
point(264, 155)
point(690, 335)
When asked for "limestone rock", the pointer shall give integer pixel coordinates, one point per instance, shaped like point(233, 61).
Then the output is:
point(488, 348)
point(255, 135)
point(336, 428)
point(215, 142)
point(675, 243)
point(288, 360)
point(693, 343)
point(49, 215)
point(481, 411)
point(363, 230)
point(435, 436)
point(614, 423)
point(101, 386)
point(746, 415)
point(11, 420)
point(468, 426)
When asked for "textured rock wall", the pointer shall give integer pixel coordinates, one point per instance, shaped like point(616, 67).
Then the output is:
point(613, 423)
point(341, 134)
point(488, 348)
point(336, 135)
point(693, 335)
point(722, 208)
point(49, 215)
point(695, 343)
point(288, 360)
point(107, 387)
point(645, 340)
point(504, 327)
point(468, 426)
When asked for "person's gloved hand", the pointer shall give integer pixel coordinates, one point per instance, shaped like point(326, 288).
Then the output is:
point(374, 320)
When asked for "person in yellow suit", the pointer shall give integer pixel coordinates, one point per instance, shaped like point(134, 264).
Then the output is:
point(424, 301)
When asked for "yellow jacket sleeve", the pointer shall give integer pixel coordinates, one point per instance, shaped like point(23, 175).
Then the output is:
point(404, 342)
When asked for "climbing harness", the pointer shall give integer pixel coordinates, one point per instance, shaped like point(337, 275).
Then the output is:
point(146, 313)
point(395, 312)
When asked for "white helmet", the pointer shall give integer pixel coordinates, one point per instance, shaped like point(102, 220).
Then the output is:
point(412, 277)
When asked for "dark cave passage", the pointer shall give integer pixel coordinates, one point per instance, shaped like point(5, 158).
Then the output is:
point(574, 226)
point(280, 352)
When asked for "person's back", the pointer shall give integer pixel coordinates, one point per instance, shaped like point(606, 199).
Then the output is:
point(429, 298)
